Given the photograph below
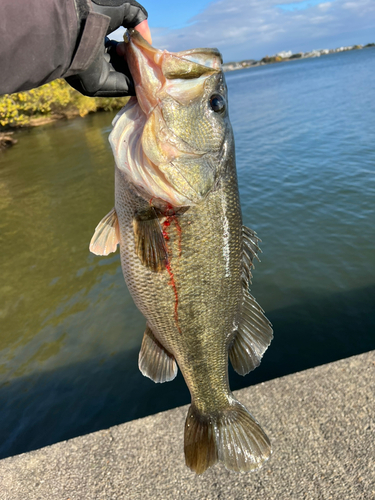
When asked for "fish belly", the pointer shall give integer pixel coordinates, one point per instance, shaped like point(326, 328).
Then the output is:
point(192, 306)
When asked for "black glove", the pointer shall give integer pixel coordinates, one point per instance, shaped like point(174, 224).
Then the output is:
point(108, 75)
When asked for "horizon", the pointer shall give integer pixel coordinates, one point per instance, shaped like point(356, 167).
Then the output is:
point(333, 49)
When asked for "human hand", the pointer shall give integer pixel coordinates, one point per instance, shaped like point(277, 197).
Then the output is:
point(108, 75)
point(144, 30)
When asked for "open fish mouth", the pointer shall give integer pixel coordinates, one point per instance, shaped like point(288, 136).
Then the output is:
point(154, 138)
point(155, 70)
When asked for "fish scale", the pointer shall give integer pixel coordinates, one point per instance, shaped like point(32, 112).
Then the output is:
point(187, 261)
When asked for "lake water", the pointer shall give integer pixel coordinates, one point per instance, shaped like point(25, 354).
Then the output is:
point(69, 331)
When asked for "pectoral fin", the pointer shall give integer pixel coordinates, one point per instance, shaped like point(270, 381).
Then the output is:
point(106, 236)
point(155, 362)
point(149, 240)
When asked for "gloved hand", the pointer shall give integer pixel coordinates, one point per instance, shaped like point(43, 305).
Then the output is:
point(108, 75)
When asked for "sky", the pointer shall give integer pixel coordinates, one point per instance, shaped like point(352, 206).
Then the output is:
point(251, 29)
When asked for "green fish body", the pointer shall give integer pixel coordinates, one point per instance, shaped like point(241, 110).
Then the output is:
point(185, 255)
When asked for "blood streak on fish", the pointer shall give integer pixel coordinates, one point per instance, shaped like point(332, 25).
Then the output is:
point(172, 281)
point(179, 232)
point(173, 217)
point(166, 224)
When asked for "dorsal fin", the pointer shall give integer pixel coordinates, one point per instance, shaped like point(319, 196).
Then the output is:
point(250, 251)
point(254, 332)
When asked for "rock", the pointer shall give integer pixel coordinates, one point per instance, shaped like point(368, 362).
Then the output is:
point(6, 140)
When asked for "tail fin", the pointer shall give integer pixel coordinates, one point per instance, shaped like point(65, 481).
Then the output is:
point(232, 436)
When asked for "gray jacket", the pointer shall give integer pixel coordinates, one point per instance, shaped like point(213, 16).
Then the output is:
point(41, 40)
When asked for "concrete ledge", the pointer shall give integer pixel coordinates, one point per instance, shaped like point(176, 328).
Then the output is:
point(321, 423)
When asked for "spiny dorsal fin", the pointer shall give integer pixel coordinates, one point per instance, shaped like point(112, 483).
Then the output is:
point(155, 362)
point(149, 240)
point(250, 251)
point(251, 240)
point(106, 236)
point(253, 336)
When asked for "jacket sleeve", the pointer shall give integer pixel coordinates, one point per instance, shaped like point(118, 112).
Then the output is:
point(38, 42)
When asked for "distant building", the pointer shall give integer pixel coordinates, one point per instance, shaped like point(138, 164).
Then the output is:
point(313, 53)
point(288, 55)
point(233, 66)
point(284, 54)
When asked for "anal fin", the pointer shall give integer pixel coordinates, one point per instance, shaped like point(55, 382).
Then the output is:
point(253, 336)
point(149, 240)
point(155, 362)
point(106, 236)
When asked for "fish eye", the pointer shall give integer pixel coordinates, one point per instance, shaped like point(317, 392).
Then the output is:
point(217, 103)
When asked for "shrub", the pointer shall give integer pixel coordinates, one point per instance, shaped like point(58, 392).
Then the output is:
point(53, 100)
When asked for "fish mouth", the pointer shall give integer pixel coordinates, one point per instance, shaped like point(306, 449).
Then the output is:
point(158, 161)
point(154, 70)
point(207, 57)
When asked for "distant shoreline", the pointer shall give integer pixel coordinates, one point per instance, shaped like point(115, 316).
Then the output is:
point(288, 56)
point(57, 100)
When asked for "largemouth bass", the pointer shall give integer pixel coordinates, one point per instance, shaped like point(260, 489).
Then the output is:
point(185, 255)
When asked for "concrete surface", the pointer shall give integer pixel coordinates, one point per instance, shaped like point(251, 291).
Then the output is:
point(321, 423)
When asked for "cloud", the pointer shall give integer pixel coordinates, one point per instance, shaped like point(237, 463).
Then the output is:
point(301, 5)
point(325, 6)
point(254, 28)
